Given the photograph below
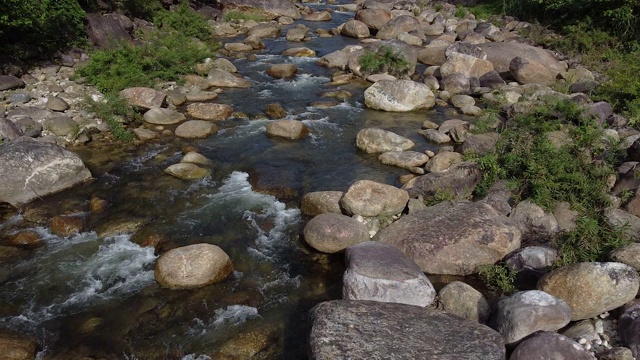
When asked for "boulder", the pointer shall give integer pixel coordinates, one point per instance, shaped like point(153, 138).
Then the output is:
point(547, 345)
point(8, 82)
point(288, 129)
point(531, 72)
point(297, 33)
point(435, 136)
point(144, 98)
point(55, 103)
point(299, 52)
point(145, 134)
point(628, 254)
point(269, 8)
point(375, 19)
point(433, 55)
point(629, 223)
point(480, 144)
point(161, 116)
point(187, 171)
point(8, 130)
point(238, 47)
point(66, 225)
point(405, 159)
point(502, 53)
point(355, 29)
point(370, 198)
point(192, 266)
point(106, 32)
point(443, 162)
point(330, 233)
point(372, 140)
point(265, 30)
point(463, 300)
point(319, 202)
point(629, 327)
point(455, 83)
point(16, 346)
point(467, 65)
point(196, 129)
point(532, 257)
point(222, 78)
point(526, 312)
point(592, 288)
point(532, 220)
point(345, 329)
point(453, 237)
point(282, 71)
point(398, 25)
point(26, 239)
point(399, 96)
point(381, 272)
point(196, 158)
point(62, 126)
point(318, 16)
point(209, 111)
point(30, 169)
point(338, 58)
point(460, 180)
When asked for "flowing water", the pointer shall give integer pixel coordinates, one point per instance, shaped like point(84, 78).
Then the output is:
point(95, 296)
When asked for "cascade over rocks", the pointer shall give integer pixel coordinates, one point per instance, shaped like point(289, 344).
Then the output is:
point(31, 169)
point(375, 330)
point(453, 238)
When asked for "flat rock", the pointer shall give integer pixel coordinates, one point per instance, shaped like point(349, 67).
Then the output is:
point(222, 78)
point(187, 171)
point(30, 169)
point(144, 98)
point(453, 238)
point(592, 288)
point(299, 52)
point(288, 129)
point(145, 134)
point(162, 116)
point(192, 266)
point(330, 233)
point(57, 104)
point(61, 125)
point(399, 96)
point(370, 198)
point(628, 254)
point(8, 82)
point(196, 129)
point(463, 300)
point(404, 159)
point(318, 16)
point(319, 202)
point(381, 272)
point(345, 329)
point(209, 111)
point(435, 136)
point(373, 140)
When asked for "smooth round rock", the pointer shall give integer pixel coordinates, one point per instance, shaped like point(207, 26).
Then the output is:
point(187, 171)
point(319, 202)
point(162, 116)
point(463, 300)
point(192, 266)
point(374, 140)
point(288, 129)
point(370, 198)
point(57, 104)
point(330, 233)
point(196, 129)
point(211, 112)
point(282, 71)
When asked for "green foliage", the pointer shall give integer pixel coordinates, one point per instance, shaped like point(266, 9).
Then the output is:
point(592, 240)
point(440, 196)
point(491, 172)
point(111, 110)
point(184, 20)
point(461, 11)
point(143, 9)
point(498, 278)
point(385, 60)
point(487, 122)
point(236, 15)
point(45, 25)
point(164, 56)
point(486, 10)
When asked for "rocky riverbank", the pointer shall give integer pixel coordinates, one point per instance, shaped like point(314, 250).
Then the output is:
point(394, 238)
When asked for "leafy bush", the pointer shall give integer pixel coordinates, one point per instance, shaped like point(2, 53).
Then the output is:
point(185, 20)
point(45, 25)
point(385, 60)
point(114, 110)
point(143, 9)
point(498, 278)
point(592, 240)
point(164, 56)
point(234, 15)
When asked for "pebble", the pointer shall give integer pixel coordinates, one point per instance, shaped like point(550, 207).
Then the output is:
point(359, 218)
point(582, 341)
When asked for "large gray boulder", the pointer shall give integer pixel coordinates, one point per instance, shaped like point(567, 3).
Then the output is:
point(192, 266)
point(375, 19)
point(269, 8)
point(30, 169)
point(355, 29)
point(373, 140)
point(331, 232)
point(370, 198)
point(143, 97)
point(381, 272)
point(398, 25)
point(453, 238)
point(345, 329)
point(467, 65)
point(592, 288)
point(526, 312)
point(502, 53)
point(547, 345)
point(399, 96)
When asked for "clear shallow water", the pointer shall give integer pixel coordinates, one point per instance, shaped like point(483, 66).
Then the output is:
point(95, 296)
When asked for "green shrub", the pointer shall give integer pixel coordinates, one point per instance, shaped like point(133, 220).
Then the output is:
point(45, 25)
point(114, 110)
point(185, 20)
point(498, 278)
point(385, 60)
point(164, 56)
point(461, 11)
point(234, 15)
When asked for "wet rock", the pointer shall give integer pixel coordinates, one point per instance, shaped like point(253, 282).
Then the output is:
point(209, 111)
point(399, 95)
point(375, 19)
point(271, 8)
point(501, 54)
point(193, 157)
point(463, 300)
point(97, 205)
point(330, 233)
point(66, 225)
point(187, 171)
point(381, 272)
point(299, 52)
point(369, 330)
point(26, 239)
point(459, 181)
point(530, 72)
point(370, 198)
point(397, 25)
point(443, 162)
point(222, 78)
point(8, 82)
point(374, 140)
point(480, 144)
point(404, 159)
point(591, 288)
point(16, 346)
point(55, 103)
point(533, 221)
point(196, 129)
point(145, 98)
point(250, 344)
point(192, 266)
point(275, 111)
point(318, 16)
point(121, 224)
point(31, 169)
point(282, 71)
point(355, 29)
point(526, 312)
point(628, 254)
point(453, 237)
point(62, 126)
point(288, 129)
point(161, 116)
point(319, 202)
point(297, 33)
point(547, 345)
point(7, 210)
